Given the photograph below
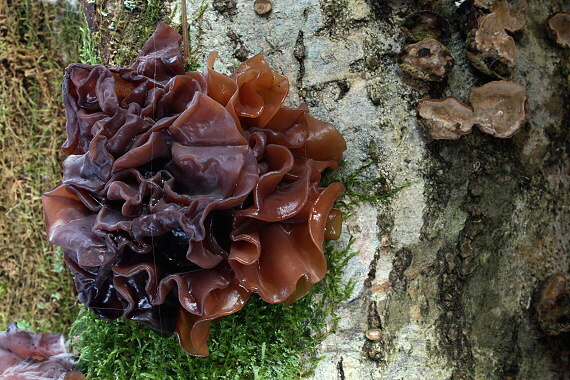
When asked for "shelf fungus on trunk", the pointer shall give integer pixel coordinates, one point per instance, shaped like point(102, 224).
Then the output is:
point(491, 49)
point(428, 60)
point(446, 119)
point(185, 192)
point(552, 305)
point(559, 28)
point(500, 108)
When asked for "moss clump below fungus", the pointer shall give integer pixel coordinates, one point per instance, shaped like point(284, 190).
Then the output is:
point(262, 341)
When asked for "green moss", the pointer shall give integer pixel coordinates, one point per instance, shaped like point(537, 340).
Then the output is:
point(262, 341)
point(127, 26)
point(34, 48)
point(360, 189)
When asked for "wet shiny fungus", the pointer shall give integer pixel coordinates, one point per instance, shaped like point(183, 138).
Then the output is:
point(185, 192)
point(28, 355)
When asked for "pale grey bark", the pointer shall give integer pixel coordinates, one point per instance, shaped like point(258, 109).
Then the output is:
point(450, 267)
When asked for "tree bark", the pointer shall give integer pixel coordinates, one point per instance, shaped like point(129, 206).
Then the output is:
point(451, 268)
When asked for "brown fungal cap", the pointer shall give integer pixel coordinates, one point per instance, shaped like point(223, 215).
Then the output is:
point(446, 119)
point(262, 7)
point(512, 14)
point(559, 28)
point(492, 50)
point(426, 24)
point(499, 108)
point(428, 60)
point(28, 355)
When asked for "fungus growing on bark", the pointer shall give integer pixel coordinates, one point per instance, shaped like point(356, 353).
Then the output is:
point(499, 108)
point(559, 28)
point(426, 24)
point(447, 119)
point(511, 13)
point(28, 355)
point(262, 7)
point(428, 60)
point(491, 49)
point(183, 193)
point(553, 306)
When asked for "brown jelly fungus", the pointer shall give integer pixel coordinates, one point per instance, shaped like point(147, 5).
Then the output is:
point(185, 192)
point(446, 119)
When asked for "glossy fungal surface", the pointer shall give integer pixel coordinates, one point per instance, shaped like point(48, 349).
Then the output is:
point(185, 192)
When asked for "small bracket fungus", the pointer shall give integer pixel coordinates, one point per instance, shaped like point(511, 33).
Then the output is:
point(428, 60)
point(490, 49)
point(559, 28)
point(262, 7)
point(511, 13)
point(446, 119)
point(426, 24)
point(499, 108)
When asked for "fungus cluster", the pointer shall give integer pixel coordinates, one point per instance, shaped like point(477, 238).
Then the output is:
point(27, 355)
point(185, 192)
point(498, 108)
point(490, 46)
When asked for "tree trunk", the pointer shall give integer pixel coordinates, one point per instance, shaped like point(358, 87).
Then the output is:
point(450, 269)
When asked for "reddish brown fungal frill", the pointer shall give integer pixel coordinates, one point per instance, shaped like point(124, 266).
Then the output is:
point(491, 49)
point(428, 60)
point(447, 119)
point(184, 192)
point(499, 108)
point(559, 28)
point(511, 13)
point(28, 355)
